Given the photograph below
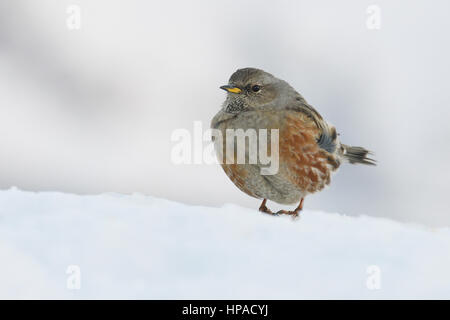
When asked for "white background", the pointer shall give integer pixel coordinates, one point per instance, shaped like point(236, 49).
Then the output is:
point(92, 110)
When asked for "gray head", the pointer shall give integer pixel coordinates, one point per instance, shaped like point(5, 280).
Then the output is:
point(255, 88)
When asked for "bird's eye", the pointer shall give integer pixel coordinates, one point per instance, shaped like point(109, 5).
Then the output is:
point(256, 88)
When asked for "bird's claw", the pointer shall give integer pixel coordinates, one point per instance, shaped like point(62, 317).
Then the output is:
point(293, 214)
point(267, 211)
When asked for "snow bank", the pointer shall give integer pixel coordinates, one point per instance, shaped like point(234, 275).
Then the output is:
point(142, 247)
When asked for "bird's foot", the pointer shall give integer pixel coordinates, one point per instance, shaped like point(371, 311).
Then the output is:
point(294, 214)
point(267, 211)
point(263, 208)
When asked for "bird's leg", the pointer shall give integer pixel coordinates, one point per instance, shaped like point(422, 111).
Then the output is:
point(264, 209)
point(296, 210)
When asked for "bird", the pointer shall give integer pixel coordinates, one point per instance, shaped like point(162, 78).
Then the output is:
point(309, 148)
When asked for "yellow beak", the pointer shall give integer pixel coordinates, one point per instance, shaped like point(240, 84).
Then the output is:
point(231, 89)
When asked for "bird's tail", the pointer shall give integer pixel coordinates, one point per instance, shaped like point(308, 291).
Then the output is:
point(357, 155)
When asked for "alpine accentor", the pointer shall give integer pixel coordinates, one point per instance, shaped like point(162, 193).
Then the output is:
point(309, 149)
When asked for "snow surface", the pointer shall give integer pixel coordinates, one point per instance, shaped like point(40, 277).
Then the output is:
point(136, 246)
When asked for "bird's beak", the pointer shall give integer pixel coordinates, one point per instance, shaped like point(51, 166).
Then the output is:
point(231, 89)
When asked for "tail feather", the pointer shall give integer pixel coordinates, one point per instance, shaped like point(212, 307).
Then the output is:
point(358, 155)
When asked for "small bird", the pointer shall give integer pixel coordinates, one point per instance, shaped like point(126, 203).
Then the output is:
point(309, 147)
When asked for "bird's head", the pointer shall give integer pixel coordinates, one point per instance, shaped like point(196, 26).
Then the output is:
point(252, 88)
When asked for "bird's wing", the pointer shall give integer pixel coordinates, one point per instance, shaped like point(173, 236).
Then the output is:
point(308, 165)
point(327, 135)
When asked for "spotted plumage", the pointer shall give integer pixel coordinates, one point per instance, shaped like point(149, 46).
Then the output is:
point(309, 147)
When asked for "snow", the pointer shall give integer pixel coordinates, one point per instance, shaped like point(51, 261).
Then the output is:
point(136, 246)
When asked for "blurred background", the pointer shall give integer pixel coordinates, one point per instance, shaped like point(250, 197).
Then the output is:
point(92, 109)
